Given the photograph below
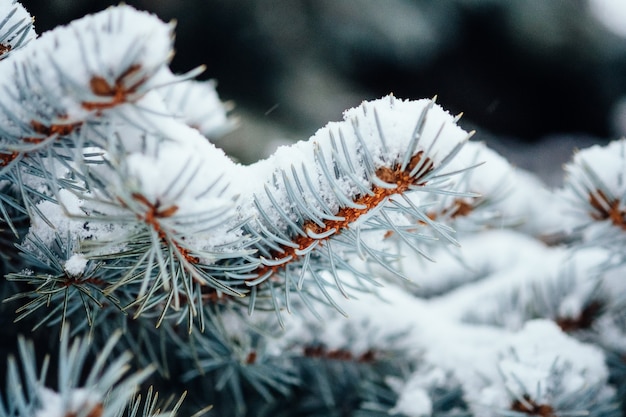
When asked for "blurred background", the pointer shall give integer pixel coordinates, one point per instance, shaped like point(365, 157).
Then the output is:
point(536, 78)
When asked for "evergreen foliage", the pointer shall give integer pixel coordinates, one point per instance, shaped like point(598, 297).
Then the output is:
point(125, 229)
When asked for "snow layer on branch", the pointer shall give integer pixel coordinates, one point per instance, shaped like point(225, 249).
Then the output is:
point(490, 255)
point(387, 126)
point(436, 340)
point(543, 363)
point(493, 283)
point(94, 63)
point(185, 175)
point(171, 169)
point(193, 183)
point(67, 219)
point(54, 218)
point(595, 189)
point(600, 166)
point(500, 261)
point(539, 208)
point(385, 132)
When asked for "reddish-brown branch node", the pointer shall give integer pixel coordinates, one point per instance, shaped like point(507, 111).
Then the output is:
point(96, 411)
point(584, 320)
point(152, 216)
point(529, 406)
point(7, 158)
point(251, 358)
point(5, 49)
point(320, 351)
point(605, 209)
point(117, 93)
point(78, 280)
point(460, 208)
point(60, 129)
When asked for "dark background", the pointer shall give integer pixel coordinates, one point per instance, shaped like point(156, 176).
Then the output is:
point(535, 77)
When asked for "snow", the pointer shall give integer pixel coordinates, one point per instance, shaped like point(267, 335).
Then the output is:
point(600, 167)
point(398, 123)
point(198, 104)
point(414, 401)
point(76, 264)
point(598, 172)
point(194, 181)
point(73, 402)
point(481, 255)
point(533, 356)
point(490, 363)
point(184, 177)
point(506, 271)
point(57, 220)
point(611, 13)
point(539, 208)
point(70, 217)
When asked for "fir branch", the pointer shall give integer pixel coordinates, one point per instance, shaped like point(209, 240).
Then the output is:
point(119, 215)
point(64, 282)
point(349, 174)
point(175, 232)
point(234, 360)
point(99, 391)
